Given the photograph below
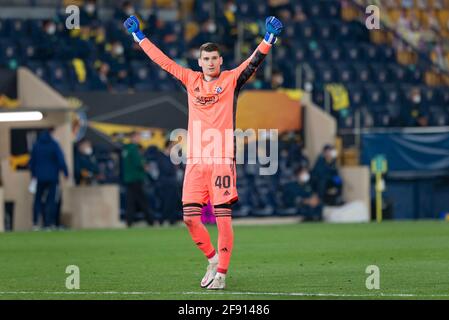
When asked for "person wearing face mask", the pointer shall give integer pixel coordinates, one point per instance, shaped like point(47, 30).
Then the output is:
point(124, 11)
point(48, 39)
point(114, 57)
point(326, 178)
point(415, 115)
point(85, 164)
point(300, 194)
point(207, 33)
point(88, 13)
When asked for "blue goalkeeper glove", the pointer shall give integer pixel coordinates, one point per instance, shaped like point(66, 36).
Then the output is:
point(274, 28)
point(132, 25)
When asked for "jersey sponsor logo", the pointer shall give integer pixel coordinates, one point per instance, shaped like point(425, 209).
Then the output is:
point(205, 100)
point(197, 89)
point(226, 193)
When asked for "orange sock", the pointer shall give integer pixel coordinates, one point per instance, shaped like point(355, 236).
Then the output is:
point(197, 230)
point(225, 238)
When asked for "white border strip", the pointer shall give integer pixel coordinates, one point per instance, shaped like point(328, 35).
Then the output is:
point(298, 294)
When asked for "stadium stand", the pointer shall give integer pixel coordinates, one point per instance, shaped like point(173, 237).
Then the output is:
point(391, 79)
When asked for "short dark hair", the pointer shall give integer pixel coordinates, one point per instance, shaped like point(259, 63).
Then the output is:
point(210, 47)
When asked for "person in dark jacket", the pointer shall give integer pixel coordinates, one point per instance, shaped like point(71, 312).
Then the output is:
point(167, 185)
point(86, 165)
point(47, 161)
point(300, 194)
point(134, 176)
point(326, 178)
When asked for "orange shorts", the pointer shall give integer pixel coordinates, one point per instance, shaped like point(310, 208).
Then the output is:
point(212, 181)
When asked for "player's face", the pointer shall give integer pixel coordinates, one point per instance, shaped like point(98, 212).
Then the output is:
point(210, 62)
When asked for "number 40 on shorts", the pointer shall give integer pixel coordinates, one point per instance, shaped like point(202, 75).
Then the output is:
point(223, 182)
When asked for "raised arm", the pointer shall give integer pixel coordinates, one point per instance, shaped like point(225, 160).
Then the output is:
point(154, 53)
point(244, 71)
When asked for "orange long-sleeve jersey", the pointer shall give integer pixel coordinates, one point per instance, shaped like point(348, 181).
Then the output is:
point(212, 104)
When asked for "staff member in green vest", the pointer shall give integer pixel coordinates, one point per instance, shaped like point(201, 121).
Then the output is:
point(134, 176)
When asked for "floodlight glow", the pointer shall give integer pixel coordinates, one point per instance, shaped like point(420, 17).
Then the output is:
point(20, 116)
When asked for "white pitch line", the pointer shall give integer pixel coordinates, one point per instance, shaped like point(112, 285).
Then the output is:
point(300, 294)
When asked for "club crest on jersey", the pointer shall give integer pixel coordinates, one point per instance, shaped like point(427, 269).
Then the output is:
point(218, 89)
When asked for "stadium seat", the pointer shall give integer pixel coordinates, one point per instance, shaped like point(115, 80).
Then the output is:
point(316, 10)
point(317, 52)
point(28, 50)
point(392, 94)
point(335, 51)
point(301, 52)
point(416, 74)
point(324, 30)
point(438, 116)
point(356, 95)
point(38, 68)
point(381, 116)
point(345, 73)
point(430, 96)
point(4, 28)
point(8, 49)
point(326, 73)
point(394, 112)
point(374, 95)
point(346, 120)
point(362, 72)
point(143, 80)
point(380, 73)
point(399, 74)
point(306, 31)
point(366, 117)
point(387, 54)
point(18, 28)
point(343, 32)
point(353, 52)
point(371, 52)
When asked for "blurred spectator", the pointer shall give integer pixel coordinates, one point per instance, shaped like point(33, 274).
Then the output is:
point(403, 21)
point(300, 194)
point(208, 33)
point(291, 154)
point(48, 39)
point(124, 11)
point(299, 14)
point(167, 185)
point(47, 160)
point(326, 178)
point(438, 56)
point(277, 80)
point(278, 5)
point(86, 166)
point(202, 9)
point(407, 4)
point(415, 114)
point(228, 21)
point(134, 176)
point(434, 24)
point(100, 80)
point(88, 13)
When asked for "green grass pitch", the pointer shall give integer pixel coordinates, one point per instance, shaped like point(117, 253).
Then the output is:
point(298, 261)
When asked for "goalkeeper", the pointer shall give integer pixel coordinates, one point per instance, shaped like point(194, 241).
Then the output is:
point(212, 98)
